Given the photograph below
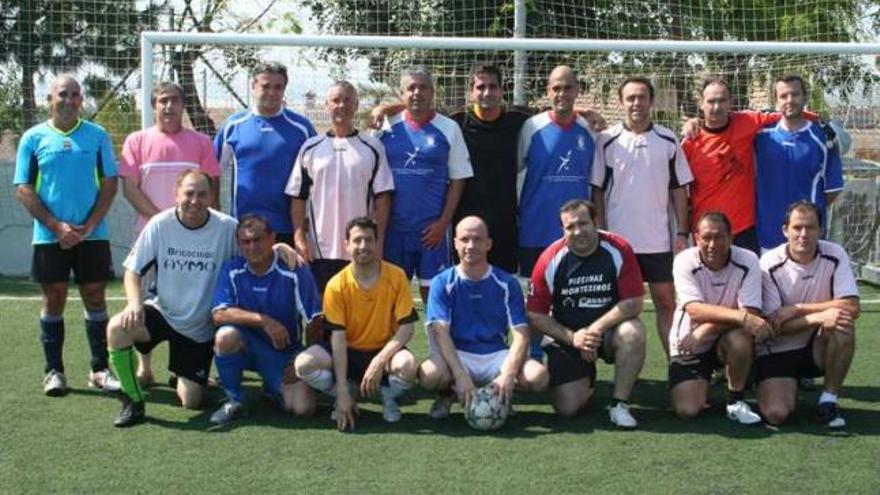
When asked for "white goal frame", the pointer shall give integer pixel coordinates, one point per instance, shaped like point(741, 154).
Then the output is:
point(149, 39)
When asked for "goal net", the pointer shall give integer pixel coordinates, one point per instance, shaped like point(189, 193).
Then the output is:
point(844, 84)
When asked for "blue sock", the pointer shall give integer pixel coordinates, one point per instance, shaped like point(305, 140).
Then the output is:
point(230, 367)
point(96, 333)
point(52, 337)
point(535, 350)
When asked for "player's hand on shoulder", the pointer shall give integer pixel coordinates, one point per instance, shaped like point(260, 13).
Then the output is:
point(594, 119)
point(276, 332)
point(690, 128)
point(288, 255)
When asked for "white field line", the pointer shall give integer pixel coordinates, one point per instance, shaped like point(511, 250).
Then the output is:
point(415, 300)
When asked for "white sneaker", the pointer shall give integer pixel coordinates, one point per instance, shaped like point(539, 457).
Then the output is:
point(228, 411)
point(740, 412)
point(621, 417)
point(441, 407)
point(104, 380)
point(54, 384)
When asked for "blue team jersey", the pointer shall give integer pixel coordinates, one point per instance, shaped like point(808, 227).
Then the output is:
point(479, 313)
point(65, 170)
point(284, 294)
point(423, 159)
point(791, 166)
point(261, 151)
point(557, 161)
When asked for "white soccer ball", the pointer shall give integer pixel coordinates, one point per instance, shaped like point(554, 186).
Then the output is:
point(486, 411)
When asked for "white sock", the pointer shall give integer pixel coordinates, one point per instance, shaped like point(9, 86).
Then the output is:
point(827, 397)
point(396, 387)
point(321, 380)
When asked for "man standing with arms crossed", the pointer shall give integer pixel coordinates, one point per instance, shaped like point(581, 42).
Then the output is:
point(639, 175)
point(812, 301)
point(65, 176)
point(337, 176)
point(260, 146)
point(152, 159)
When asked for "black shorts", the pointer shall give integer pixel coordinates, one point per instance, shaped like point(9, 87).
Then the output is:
point(748, 239)
point(655, 267)
point(90, 262)
point(324, 269)
point(358, 362)
point(701, 366)
point(566, 365)
point(794, 364)
point(186, 357)
point(528, 257)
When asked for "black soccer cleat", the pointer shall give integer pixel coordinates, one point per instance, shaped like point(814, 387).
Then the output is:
point(829, 415)
point(132, 413)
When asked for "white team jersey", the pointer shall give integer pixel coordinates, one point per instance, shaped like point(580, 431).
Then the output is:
point(187, 263)
point(787, 282)
point(637, 173)
point(736, 285)
point(340, 178)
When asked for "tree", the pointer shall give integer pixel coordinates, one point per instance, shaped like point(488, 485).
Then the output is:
point(63, 35)
point(714, 20)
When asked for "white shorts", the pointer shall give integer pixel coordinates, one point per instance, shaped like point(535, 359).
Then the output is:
point(483, 368)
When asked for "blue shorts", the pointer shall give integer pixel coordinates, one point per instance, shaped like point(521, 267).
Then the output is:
point(405, 250)
point(268, 362)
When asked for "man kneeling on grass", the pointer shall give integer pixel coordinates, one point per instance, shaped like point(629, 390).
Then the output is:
point(718, 296)
point(811, 298)
point(258, 305)
point(369, 312)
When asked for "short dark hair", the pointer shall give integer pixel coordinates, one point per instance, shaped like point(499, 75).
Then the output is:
point(249, 221)
point(484, 68)
point(576, 204)
point(802, 206)
point(636, 80)
point(270, 68)
point(164, 87)
point(713, 80)
point(716, 217)
point(788, 79)
point(191, 171)
point(344, 85)
point(365, 223)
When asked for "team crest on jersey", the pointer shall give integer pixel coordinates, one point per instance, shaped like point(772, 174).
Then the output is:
point(67, 145)
point(564, 162)
point(430, 142)
point(581, 143)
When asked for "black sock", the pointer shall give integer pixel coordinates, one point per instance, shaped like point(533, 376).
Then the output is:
point(615, 401)
point(735, 396)
point(52, 337)
point(96, 333)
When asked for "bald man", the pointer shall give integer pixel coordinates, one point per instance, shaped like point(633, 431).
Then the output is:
point(65, 176)
point(471, 309)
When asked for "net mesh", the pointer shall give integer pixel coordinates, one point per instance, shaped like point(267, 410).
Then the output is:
point(97, 40)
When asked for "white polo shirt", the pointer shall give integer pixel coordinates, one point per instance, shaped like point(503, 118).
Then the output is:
point(786, 282)
point(637, 171)
point(736, 285)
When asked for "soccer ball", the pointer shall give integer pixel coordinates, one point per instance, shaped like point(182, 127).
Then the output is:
point(486, 411)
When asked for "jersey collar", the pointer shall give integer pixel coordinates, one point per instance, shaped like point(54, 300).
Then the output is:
point(65, 133)
point(462, 275)
point(272, 267)
point(558, 122)
point(353, 133)
point(413, 123)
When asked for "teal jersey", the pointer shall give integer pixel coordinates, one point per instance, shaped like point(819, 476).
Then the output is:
point(65, 169)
